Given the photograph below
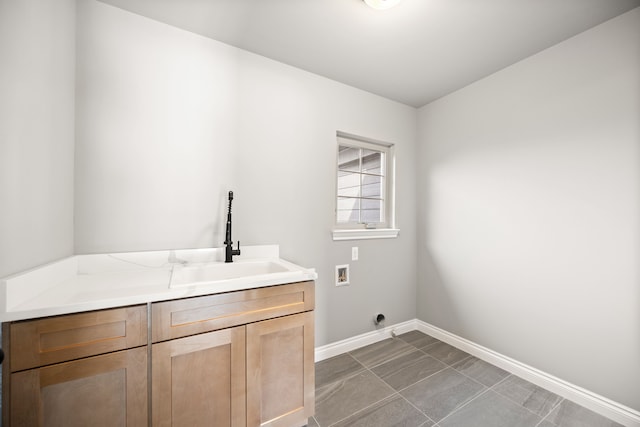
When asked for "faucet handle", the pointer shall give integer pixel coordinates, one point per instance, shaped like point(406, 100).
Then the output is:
point(236, 251)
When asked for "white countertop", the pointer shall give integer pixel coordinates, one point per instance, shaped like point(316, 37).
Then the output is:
point(92, 282)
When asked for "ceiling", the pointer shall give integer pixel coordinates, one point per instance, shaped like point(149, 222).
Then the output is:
point(414, 53)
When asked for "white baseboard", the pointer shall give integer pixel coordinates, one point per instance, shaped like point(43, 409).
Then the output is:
point(339, 347)
point(599, 404)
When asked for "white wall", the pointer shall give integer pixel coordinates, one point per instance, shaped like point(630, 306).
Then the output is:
point(37, 53)
point(168, 121)
point(529, 213)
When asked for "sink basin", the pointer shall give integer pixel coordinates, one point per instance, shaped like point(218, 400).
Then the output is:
point(216, 272)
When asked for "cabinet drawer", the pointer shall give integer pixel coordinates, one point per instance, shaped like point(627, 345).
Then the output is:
point(179, 318)
point(62, 338)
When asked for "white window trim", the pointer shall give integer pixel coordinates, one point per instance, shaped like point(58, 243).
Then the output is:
point(363, 234)
point(348, 231)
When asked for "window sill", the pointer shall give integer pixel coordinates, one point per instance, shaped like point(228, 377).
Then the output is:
point(362, 234)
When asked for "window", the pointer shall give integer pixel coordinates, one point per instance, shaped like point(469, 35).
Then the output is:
point(364, 189)
point(361, 185)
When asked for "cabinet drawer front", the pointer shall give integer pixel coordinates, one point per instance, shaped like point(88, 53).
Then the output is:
point(59, 339)
point(179, 318)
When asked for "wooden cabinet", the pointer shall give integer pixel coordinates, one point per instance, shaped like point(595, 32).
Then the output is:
point(280, 371)
point(77, 370)
point(236, 359)
point(56, 339)
point(200, 380)
point(258, 372)
point(189, 316)
point(106, 390)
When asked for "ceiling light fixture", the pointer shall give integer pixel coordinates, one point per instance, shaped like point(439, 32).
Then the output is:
point(381, 4)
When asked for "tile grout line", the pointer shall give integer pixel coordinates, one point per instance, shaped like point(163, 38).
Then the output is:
point(374, 403)
point(447, 366)
point(423, 379)
point(395, 392)
point(486, 389)
point(412, 347)
point(353, 374)
point(550, 412)
point(542, 418)
point(411, 385)
point(521, 405)
point(407, 400)
point(387, 360)
point(501, 381)
point(365, 368)
point(398, 392)
point(490, 388)
point(417, 409)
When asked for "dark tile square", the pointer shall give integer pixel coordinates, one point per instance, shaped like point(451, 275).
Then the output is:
point(442, 393)
point(380, 352)
point(481, 371)
point(393, 411)
point(408, 369)
point(340, 399)
point(335, 369)
point(491, 410)
point(418, 339)
point(528, 395)
point(569, 414)
point(445, 353)
point(435, 383)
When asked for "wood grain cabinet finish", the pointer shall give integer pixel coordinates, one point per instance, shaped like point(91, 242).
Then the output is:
point(85, 369)
point(261, 374)
point(106, 390)
point(57, 339)
point(236, 359)
point(179, 318)
point(280, 371)
point(200, 380)
point(241, 359)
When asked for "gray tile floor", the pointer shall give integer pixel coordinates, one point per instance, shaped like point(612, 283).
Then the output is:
point(417, 380)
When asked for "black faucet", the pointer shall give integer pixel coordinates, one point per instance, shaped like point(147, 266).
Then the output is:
point(229, 251)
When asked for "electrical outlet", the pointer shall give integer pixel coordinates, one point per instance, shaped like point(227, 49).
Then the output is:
point(354, 253)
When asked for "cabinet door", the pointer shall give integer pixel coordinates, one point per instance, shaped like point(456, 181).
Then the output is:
point(107, 390)
point(280, 371)
point(200, 380)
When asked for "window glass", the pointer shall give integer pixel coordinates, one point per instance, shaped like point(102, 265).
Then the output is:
point(361, 184)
